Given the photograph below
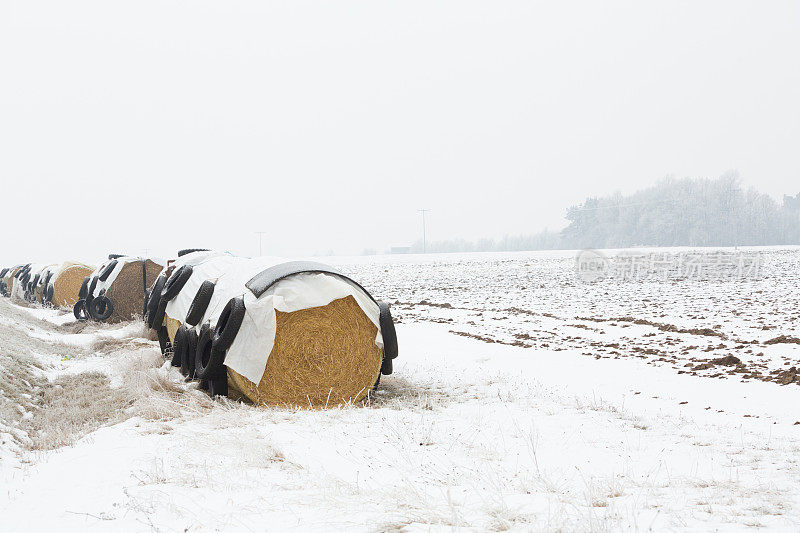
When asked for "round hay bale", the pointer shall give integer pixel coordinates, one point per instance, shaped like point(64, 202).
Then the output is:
point(9, 277)
point(38, 291)
point(68, 283)
point(20, 284)
point(8, 280)
point(323, 357)
point(127, 291)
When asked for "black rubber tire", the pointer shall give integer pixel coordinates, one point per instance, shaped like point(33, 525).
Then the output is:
point(200, 303)
point(107, 270)
point(79, 310)
point(389, 338)
point(84, 289)
point(47, 294)
point(218, 385)
point(163, 340)
point(188, 355)
point(90, 304)
point(115, 256)
point(387, 367)
point(176, 282)
point(3, 289)
point(208, 360)
point(179, 346)
point(45, 286)
point(92, 287)
point(228, 324)
point(101, 308)
point(158, 316)
point(154, 300)
point(181, 253)
point(3, 272)
point(22, 271)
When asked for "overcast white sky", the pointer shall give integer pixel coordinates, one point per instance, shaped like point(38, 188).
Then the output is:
point(157, 125)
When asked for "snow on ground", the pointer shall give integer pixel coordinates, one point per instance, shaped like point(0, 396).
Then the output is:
point(535, 300)
point(474, 430)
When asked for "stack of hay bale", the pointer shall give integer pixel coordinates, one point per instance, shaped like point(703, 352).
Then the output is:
point(117, 290)
point(298, 334)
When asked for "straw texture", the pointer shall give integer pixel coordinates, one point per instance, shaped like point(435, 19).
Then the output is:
point(323, 357)
point(127, 291)
point(68, 283)
point(172, 327)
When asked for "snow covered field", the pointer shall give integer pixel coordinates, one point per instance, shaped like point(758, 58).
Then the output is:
point(523, 399)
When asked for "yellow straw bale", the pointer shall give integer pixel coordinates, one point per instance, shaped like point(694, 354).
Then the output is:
point(323, 357)
point(67, 285)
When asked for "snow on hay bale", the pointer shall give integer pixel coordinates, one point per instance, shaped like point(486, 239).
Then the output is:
point(278, 333)
point(117, 289)
point(66, 283)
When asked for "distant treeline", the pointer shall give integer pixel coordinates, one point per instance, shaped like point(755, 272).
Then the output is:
point(674, 212)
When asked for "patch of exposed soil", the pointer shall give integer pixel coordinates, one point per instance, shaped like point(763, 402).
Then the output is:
point(728, 360)
point(783, 339)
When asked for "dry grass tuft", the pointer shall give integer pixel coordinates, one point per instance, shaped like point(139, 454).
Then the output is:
point(157, 391)
point(73, 406)
point(401, 393)
point(38, 414)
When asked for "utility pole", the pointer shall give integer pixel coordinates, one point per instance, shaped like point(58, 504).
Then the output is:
point(424, 233)
point(260, 234)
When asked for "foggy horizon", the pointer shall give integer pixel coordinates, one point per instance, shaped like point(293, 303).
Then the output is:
point(162, 126)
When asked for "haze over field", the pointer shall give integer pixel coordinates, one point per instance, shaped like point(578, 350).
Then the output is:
point(138, 126)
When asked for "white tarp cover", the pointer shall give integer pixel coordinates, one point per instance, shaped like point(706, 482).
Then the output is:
point(250, 350)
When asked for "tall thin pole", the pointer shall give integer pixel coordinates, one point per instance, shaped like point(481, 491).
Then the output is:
point(260, 250)
point(424, 232)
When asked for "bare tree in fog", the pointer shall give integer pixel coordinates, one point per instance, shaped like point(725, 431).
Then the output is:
point(673, 212)
point(685, 212)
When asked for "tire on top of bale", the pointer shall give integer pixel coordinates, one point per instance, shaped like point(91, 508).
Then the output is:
point(154, 300)
point(188, 251)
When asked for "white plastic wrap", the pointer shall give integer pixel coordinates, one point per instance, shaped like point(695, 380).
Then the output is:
point(250, 350)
